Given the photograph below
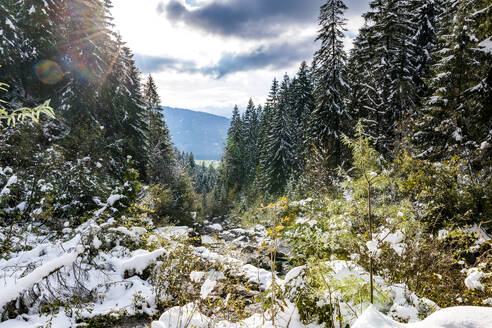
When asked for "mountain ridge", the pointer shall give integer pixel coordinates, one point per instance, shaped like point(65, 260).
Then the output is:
point(201, 133)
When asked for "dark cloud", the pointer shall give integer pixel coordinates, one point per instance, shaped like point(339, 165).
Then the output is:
point(252, 19)
point(274, 56)
point(151, 64)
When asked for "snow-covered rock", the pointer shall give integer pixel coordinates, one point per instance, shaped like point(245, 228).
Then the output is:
point(454, 317)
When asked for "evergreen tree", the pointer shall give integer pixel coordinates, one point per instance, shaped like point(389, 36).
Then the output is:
point(455, 120)
point(330, 118)
point(251, 132)
point(266, 125)
point(159, 148)
point(303, 107)
point(11, 34)
point(426, 13)
point(124, 93)
point(363, 98)
point(280, 155)
point(391, 94)
point(232, 162)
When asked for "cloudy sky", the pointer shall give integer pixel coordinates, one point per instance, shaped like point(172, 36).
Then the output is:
point(208, 55)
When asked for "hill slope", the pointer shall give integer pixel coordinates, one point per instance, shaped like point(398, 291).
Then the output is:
point(201, 133)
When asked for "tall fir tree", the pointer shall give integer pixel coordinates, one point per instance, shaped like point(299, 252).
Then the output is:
point(455, 120)
point(250, 139)
point(391, 94)
point(233, 160)
point(160, 152)
point(11, 39)
point(330, 118)
point(303, 103)
point(425, 19)
point(280, 153)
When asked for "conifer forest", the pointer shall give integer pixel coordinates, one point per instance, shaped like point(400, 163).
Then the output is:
point(357, 193)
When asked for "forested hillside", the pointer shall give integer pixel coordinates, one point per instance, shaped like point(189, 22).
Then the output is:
point(200, 133)
point(358, 195)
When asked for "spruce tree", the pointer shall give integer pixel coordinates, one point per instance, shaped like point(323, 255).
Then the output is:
point(11, 37)
point(363, 98)
point(425, 19)
point(160, 152)
point(330, 118)
point(233, 165)
point(455, 120)
point(303, 103)
point(250, 139)
point(262, 179)
point(391, 94)
point(280, 141)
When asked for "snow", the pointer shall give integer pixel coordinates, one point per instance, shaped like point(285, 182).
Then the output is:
point(259, 276)
point(59, 320)
point(442, 234)
point(486, 45)
point(182, 317)
point(372, 246)
point(216, 227)
point(113, 199)
point(454, 317)
point(302, 202)
point(96, 243)
point(457, 135)
point(210, 282)
point(141, 261)
point(10, 181)
point(294, 273)
point(207, 288)
point(472, 280)
point(197, 276)
point(208, 240)
point(395, 240)
point(11, 292)
point(120, 296)
point(109, 202)
point(125, 231)
point(22, 206)
point(189, 316)
point(9, 23)
point(171, 232)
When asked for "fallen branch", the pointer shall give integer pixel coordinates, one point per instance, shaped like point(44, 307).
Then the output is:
point(11, 293)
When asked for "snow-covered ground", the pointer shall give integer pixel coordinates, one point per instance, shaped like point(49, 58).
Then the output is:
point(104, 264)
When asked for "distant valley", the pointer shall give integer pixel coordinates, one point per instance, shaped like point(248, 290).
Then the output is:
point(201, 133)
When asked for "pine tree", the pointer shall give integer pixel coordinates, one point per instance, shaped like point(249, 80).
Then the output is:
point(250, 137)
point(272, 99)
point(363, 97)
point(233, 159)
point(455, 120)
point(38, 20)
point(425, 19)
point(330, 118)
point(126, 93)
point(11, 37)
point(388, 41)
point(303, 104)
point(159, 148)
point(280, 155)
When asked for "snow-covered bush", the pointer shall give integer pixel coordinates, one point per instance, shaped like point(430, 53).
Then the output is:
point(217, 289)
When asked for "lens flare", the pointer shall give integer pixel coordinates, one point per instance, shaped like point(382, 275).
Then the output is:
point(48, 72)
